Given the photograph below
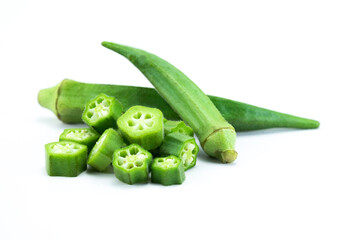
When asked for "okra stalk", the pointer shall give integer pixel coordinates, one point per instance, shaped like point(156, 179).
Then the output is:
point(67, 101)
point(216, 135)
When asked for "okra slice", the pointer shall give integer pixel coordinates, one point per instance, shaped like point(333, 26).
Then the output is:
point(142, 125)
point(177, 126)
point(131, 164)
point(100, 156)
point(182, 146)
point(167, 171)
point(102, 112)
point(86, 136)
point(65, 158)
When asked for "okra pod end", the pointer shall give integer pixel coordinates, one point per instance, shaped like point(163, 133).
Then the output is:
point(220, 145)
point(47, 98)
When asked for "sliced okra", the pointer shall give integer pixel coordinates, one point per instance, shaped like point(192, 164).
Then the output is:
point(167, 171)
point(100, 156)
point(142, 125)
point(86, 136)
point(102, 112)
point(177, 126)
point(131, 164)
point(65, 158)
point(182, 146)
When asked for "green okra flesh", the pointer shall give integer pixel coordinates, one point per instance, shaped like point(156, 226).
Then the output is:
point(131, 164)
point(67, 101)
point(181, 146)
point(85, 136)
point(177, 126)
point(142, 125)
point(101, 155)
point(167, 171)
point(102, 112)
point(67, 159)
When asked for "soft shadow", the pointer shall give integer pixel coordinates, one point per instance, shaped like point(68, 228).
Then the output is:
point(92, 171)
point(53, 121)
point(268, 131)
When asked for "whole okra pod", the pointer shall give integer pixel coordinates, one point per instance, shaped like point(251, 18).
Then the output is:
point(217, 137)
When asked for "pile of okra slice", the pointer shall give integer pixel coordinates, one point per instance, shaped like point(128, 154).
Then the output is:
point(139, 144)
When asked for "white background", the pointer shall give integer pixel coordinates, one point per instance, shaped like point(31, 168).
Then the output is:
point(299, 57)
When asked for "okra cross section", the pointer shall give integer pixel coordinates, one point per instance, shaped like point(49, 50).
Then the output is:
point(65, 158)
point(177, 126)
point(102, 112)
point(131, 164)
point(100, 156)
point(182, 146)
point(167, 171)
point(86, 136)
point(143, 126)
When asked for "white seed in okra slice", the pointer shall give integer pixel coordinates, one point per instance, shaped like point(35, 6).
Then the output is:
point(131, 164)
point(182, 146)
point(143, 126)
point(102, 112)
point(86, 136)
point(167, 171)
point(100, 156)
point(67, 159)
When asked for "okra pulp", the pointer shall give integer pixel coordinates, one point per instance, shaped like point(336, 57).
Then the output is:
point(143, 126)
point(65, 158)
point(182, 146)
point(102, 112)
point(131, 164)
point(86, 136)
point(100, 156)
point(167, 171)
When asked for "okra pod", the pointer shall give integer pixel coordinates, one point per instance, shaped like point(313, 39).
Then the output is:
point(142, 125)
point(67, 101)
point(181, 146)
point(102, 112)
point(167, 171)
point(217, 137)
point(67, 159)
point(85, 136)
point(131, 164)
point(101, 155)
point(177, 126)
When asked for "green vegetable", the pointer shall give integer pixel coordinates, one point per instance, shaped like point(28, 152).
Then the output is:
point(101, 155)
point(177, 126)
point(217, 137)
point(65, 158)
point(67, 101)
point(181, 146)
point(142, 125)
point(85, 136)
point(131, 164)
point(102, 112)
point(167, 171)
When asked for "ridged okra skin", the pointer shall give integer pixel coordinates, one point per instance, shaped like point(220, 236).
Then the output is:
point(167, 171)
point(67, 159)
point(181, 146)
point(102, 112)
point(67, 101)
point(101, 155)
point(177, 126)
point(85, 136)
point(142, 125)
point(131, 164)
point(217, 137)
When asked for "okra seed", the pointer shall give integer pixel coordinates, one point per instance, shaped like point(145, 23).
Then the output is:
point(130, 166)
point(134, 151)
point(89, 114)
point(99, 100)
point(123, 154)
point(137, 115)
point(131, 123)
point(148, 116)
point(92, 105)
point(140, 127)
point(138, 163)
